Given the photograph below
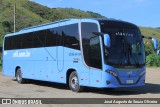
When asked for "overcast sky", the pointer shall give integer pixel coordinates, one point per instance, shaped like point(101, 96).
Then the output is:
point(140, 12)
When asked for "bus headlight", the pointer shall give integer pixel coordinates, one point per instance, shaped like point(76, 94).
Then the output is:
point(111, 72)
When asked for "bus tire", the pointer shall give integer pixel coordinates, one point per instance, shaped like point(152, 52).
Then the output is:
point(19, 76)
point(74, 82)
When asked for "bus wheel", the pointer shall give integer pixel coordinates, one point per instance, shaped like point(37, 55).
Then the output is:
point(74, 82)
point(19, 76)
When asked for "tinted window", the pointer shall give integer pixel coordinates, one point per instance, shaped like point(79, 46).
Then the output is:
point(95, 53)
point(71, 36)
point(39, 39)
point(8, 43)
point(86, 31)
point(27, 40)
point(126, 48)
point(17, 42)
point(51, 37)
point(55, 37)
point(59, 36)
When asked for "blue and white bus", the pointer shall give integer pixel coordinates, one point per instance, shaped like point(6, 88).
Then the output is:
point(97, 53)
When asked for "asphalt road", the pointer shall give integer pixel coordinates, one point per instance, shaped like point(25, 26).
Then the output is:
point(9, 88)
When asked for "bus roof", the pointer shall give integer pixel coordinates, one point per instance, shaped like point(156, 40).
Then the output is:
point(45, 24)
point(63, 22)
point(111, 21)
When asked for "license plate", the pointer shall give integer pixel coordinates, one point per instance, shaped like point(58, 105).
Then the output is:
point(129, 81)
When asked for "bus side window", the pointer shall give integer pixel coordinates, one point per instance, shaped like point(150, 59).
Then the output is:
point(50, 38)
point(27, 40)
point(17, 42)
point(86, 31)
point(59, 36)
point(70, 33)
point(95, 53)
point(8, 43)
point(39, 38)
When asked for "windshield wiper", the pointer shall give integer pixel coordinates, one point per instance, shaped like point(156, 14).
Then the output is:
point(134, 57)
point(127, 52)
point(138, 44)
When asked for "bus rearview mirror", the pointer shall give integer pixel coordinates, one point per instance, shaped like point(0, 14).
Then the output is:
point(106, 40)
point(155, 43)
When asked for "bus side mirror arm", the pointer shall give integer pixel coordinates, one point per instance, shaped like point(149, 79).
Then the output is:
point(105, 36)
point(98, 33)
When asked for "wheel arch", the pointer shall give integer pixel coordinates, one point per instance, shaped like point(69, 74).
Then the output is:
point(69, 71)
point(17, 67)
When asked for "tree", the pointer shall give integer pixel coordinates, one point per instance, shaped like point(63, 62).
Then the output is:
point(7, 26)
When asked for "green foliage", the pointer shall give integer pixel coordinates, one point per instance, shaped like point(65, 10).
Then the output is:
point(59, 13)
point(29, 14)
point(149, 48)
point(153, 60)
point(153, 32)
point(7, 26)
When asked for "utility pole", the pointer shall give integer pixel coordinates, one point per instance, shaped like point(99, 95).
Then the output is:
point(15, 17)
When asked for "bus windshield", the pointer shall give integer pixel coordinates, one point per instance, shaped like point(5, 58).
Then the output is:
point(127, 48)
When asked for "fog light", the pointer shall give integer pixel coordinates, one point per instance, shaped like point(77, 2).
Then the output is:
point(108, 82)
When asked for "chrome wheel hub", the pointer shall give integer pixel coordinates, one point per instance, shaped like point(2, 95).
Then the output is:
point(74, 82)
